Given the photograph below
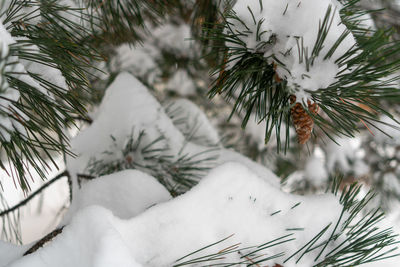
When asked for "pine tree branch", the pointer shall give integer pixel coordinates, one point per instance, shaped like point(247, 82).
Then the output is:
point(253, 85)
point(355, 239)
point(40, 189)
point(44, 240)
point(386, 17)
point(82, 176)
point(82, 118)
point(52, 91)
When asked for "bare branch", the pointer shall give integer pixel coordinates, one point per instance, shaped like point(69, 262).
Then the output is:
point(40, 189)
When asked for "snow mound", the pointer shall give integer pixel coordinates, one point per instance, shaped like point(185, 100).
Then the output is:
point(126, 109)
point(10, 252)
point(91, 240)
point(192, 122)
point(230, 200)
point(125, 194)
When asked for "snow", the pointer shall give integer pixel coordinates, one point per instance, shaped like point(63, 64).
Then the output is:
point(9, 253)
point(137, 110)
point(287, 27)
point(139, 61)
point(228, 155)
point(129, 219)
point(7, 124)
point(192, 122)
point(5, 39)
point(113, 220)
point(391, 184)
point(143, 60)
point(90, 240)
point(230, 200)
point(315, 170)
point(50, 74)
point(43, 212)
point(21, 69)
point(125, 194)
point(174, 39)
point(313, 175)
point(182, 84)
point(390, 131)
point(128, 100)
point(341, 152)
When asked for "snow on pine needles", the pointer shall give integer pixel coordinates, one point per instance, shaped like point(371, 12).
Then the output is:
point(286, 33)
point(128, 218)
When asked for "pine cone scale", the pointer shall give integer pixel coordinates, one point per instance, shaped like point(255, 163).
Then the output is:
point(302, 121)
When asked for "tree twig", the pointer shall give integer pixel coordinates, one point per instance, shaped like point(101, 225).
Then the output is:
point(31, 196)
point(84, 177)
point(44, 240)
point(82, 118)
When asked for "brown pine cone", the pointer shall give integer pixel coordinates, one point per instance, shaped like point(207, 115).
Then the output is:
point(303, 123)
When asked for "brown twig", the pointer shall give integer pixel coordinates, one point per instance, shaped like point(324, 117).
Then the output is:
point(81, 177)
point(39, 244)
point(31, 196)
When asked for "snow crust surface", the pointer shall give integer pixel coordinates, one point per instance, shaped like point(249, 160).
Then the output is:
point(230, 200)
point(10, 252)
point(125, 194)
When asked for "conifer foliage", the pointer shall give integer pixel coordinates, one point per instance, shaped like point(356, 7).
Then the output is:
point(96, 88)
point(44, 71)
point(341, 64)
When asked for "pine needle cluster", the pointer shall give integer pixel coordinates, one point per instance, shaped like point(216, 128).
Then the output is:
point(251, 82)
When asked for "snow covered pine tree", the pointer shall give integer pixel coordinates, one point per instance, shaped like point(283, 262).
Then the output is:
point(152, 179)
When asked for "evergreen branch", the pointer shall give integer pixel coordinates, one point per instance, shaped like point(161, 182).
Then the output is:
point(33, 194)
point(247, 255)
point(54, 42)
point(354, 239)
point(122, 21)
point(10, 225)
point(251, 81)
point(39, 244)
point(178, 173)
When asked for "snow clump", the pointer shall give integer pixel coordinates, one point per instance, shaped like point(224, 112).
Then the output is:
point(285, 32)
